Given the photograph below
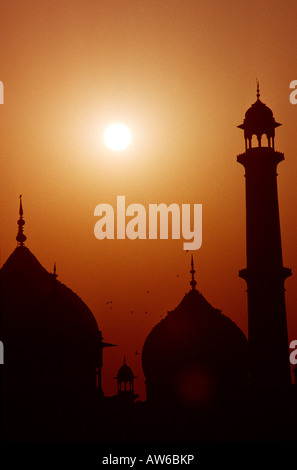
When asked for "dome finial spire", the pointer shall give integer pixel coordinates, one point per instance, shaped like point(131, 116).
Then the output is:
point(258, 89)
point(21, 238)
point(54, 276)
point(55, 271)
point(193, 283)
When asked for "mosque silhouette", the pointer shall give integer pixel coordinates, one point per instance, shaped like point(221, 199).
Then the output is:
point(204, 379)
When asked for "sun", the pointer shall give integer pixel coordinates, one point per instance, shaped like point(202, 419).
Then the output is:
point(117, 137)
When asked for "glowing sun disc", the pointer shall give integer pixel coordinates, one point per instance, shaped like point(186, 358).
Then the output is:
point(117, 137)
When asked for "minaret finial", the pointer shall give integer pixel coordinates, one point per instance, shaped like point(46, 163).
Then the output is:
point(21, 238)
point(258, 89)
point(55, 271)
point(193, 283)
point(54, 276)
point(21, 212)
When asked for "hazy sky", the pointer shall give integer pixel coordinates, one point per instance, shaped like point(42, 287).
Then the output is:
point(181, 75)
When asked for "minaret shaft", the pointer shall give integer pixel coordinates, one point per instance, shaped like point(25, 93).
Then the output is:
point(263, 238)
point(265, 273)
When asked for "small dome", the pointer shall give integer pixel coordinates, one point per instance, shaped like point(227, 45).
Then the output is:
point(259, 114)
point(259, 121)
point(125, 374)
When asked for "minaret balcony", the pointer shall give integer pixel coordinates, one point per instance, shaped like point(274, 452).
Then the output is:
point(254, 274)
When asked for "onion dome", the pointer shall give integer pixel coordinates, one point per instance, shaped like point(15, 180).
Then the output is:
point(259, 120)
point(194, 355)
point(125, 373)
point(52, 340)
point(51, 337)
point(125, 380)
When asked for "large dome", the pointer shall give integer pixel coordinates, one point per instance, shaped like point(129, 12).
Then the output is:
point(51, 376)
point(195, 354)
point(51, 338)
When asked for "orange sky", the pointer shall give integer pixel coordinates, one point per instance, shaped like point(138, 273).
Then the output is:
point(180, 74)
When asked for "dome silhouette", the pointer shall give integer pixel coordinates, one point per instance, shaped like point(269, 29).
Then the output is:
point(259, 114)
point(52, 339)
point(259, 120)
point(53, 349)
point(194, 355)
point(125, 383)
point(125, 373)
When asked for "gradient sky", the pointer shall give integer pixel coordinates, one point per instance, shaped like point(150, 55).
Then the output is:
point(180, 74)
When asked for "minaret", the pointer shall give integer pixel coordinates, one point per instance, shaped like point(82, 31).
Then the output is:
point(21, 238)
point(265, 273)
point(125, 380)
